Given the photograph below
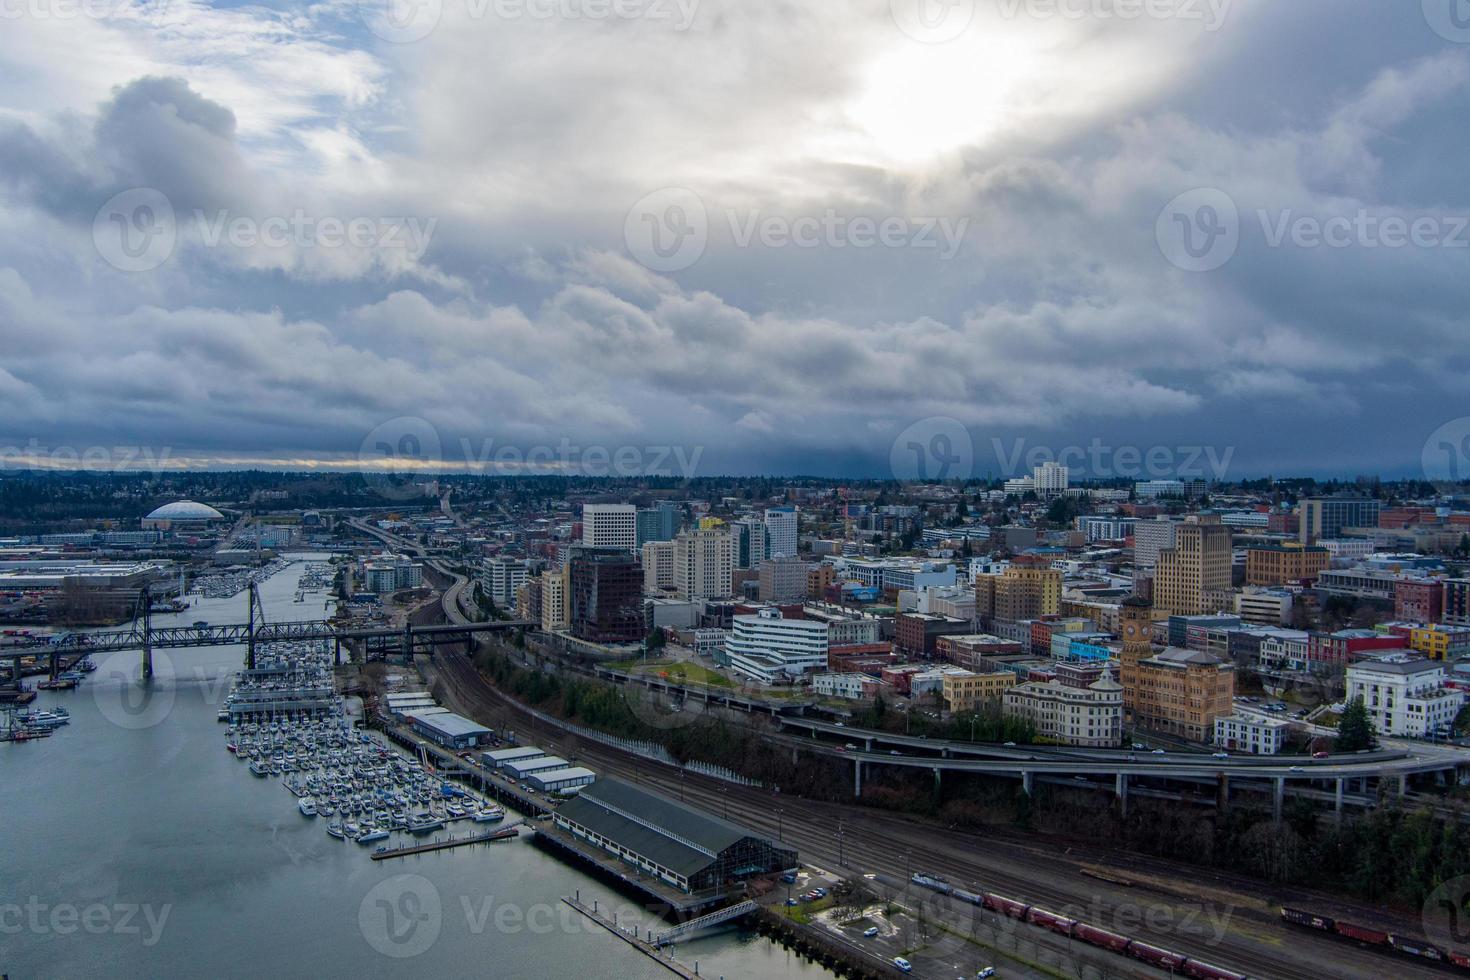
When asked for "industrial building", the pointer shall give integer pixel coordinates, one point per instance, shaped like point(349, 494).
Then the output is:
point(521, 768)
point(685, 848)
point(568, 780)
point(449, 729)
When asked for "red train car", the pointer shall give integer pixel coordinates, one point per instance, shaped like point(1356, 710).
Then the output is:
point(1459, 959)
point(1208, 971)
point(1050, 920)
point(1374, 937)
point(1006, 906)
point(1154, 955)
point(1101, 937)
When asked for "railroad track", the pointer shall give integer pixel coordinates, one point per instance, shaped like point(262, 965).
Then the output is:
point(883, 840)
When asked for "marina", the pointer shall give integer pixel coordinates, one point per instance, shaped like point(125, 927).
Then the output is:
point(288, 722)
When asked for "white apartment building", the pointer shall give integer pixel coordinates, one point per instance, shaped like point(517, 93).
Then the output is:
point(704, 563)
point(1404, 696)
point(1149, 538)
point(781, 531)
point(1090, 716)
point(768, 648)
point(610, 526)
point(848, 686)
point(1245, 733)
point(500, 578)
point(1289, 649)
point(658, 566)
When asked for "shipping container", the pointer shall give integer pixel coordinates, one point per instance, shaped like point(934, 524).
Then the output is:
point(1374, 936)
point(1309, 919)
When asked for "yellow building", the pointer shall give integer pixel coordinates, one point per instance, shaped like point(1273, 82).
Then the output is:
point(1439, 642)
point(1274, 564)
point(1179, 692)
point(1193, 577)
point(1028, 589)
point(966, 691)
point(556, 600)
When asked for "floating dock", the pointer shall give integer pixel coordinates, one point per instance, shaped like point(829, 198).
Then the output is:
point(643, 946)
point(504, 833)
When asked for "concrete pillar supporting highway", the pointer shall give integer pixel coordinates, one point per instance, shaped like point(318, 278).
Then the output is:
point(1121, 790)
point(867, 745)
point(857, 777)
point(1027, 779)
point(1403, 784)
point(936, 779)
point(793, 755)
point(1278, 798)
point(1222, 791)
point(55, 666)
point(1337, 801)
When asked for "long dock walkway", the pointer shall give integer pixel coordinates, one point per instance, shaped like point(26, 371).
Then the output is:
point(643, 946)
point(504, 833)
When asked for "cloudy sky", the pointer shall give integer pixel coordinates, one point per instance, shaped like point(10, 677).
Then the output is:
point(934, 237)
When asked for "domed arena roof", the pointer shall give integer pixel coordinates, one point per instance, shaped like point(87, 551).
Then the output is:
point(186, 510)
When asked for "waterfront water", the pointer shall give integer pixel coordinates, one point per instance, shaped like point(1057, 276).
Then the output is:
point(136, 846)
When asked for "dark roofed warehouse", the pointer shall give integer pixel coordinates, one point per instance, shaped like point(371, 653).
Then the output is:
point(685, 848)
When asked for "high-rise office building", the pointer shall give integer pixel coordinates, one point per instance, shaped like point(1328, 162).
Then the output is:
point(1193, 577)
point(605, 595)
point(749, 542)
point(1149, 538)
point(501, 578)
point(1027, 589)
point(783, 579)
point(658, 566)
point(1325, 517)
point(703, 563)
point(781, 531)
point(610, 526)
point(658, 523)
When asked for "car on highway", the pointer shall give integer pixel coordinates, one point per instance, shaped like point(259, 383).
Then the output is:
point(1297, 769)
point(903, 964)
point(1139, 746)
point(870, 932)
point(1158, 752)
point(989, 971)
point(1010, 745)
point(1320, 755)
point(1220, 755)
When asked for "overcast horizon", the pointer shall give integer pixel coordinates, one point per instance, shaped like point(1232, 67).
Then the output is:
point(914, 238)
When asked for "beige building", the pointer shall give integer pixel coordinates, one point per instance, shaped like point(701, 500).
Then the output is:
point(1274, 564)
point(555, 600)
point(966, 691)
point(1193, 577)
point(1180, 692)
point(1089, 716)
point(1029, 588)
point(658, 566)
point(704, 563)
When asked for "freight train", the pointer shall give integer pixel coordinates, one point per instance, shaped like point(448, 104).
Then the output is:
point(1164, 959)
point(1407, 945)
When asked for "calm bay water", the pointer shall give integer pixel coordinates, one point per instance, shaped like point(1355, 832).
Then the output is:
point(136, 846)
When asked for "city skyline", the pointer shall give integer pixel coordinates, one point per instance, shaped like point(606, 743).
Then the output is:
point(1207, 225)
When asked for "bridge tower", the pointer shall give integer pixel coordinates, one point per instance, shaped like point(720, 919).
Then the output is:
point(254, 601)
point(146, 599)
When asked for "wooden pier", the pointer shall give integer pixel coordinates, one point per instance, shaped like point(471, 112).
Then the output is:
point(643, 946)
point(504, 833)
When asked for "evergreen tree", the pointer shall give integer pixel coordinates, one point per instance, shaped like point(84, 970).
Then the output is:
point(1355, 730)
